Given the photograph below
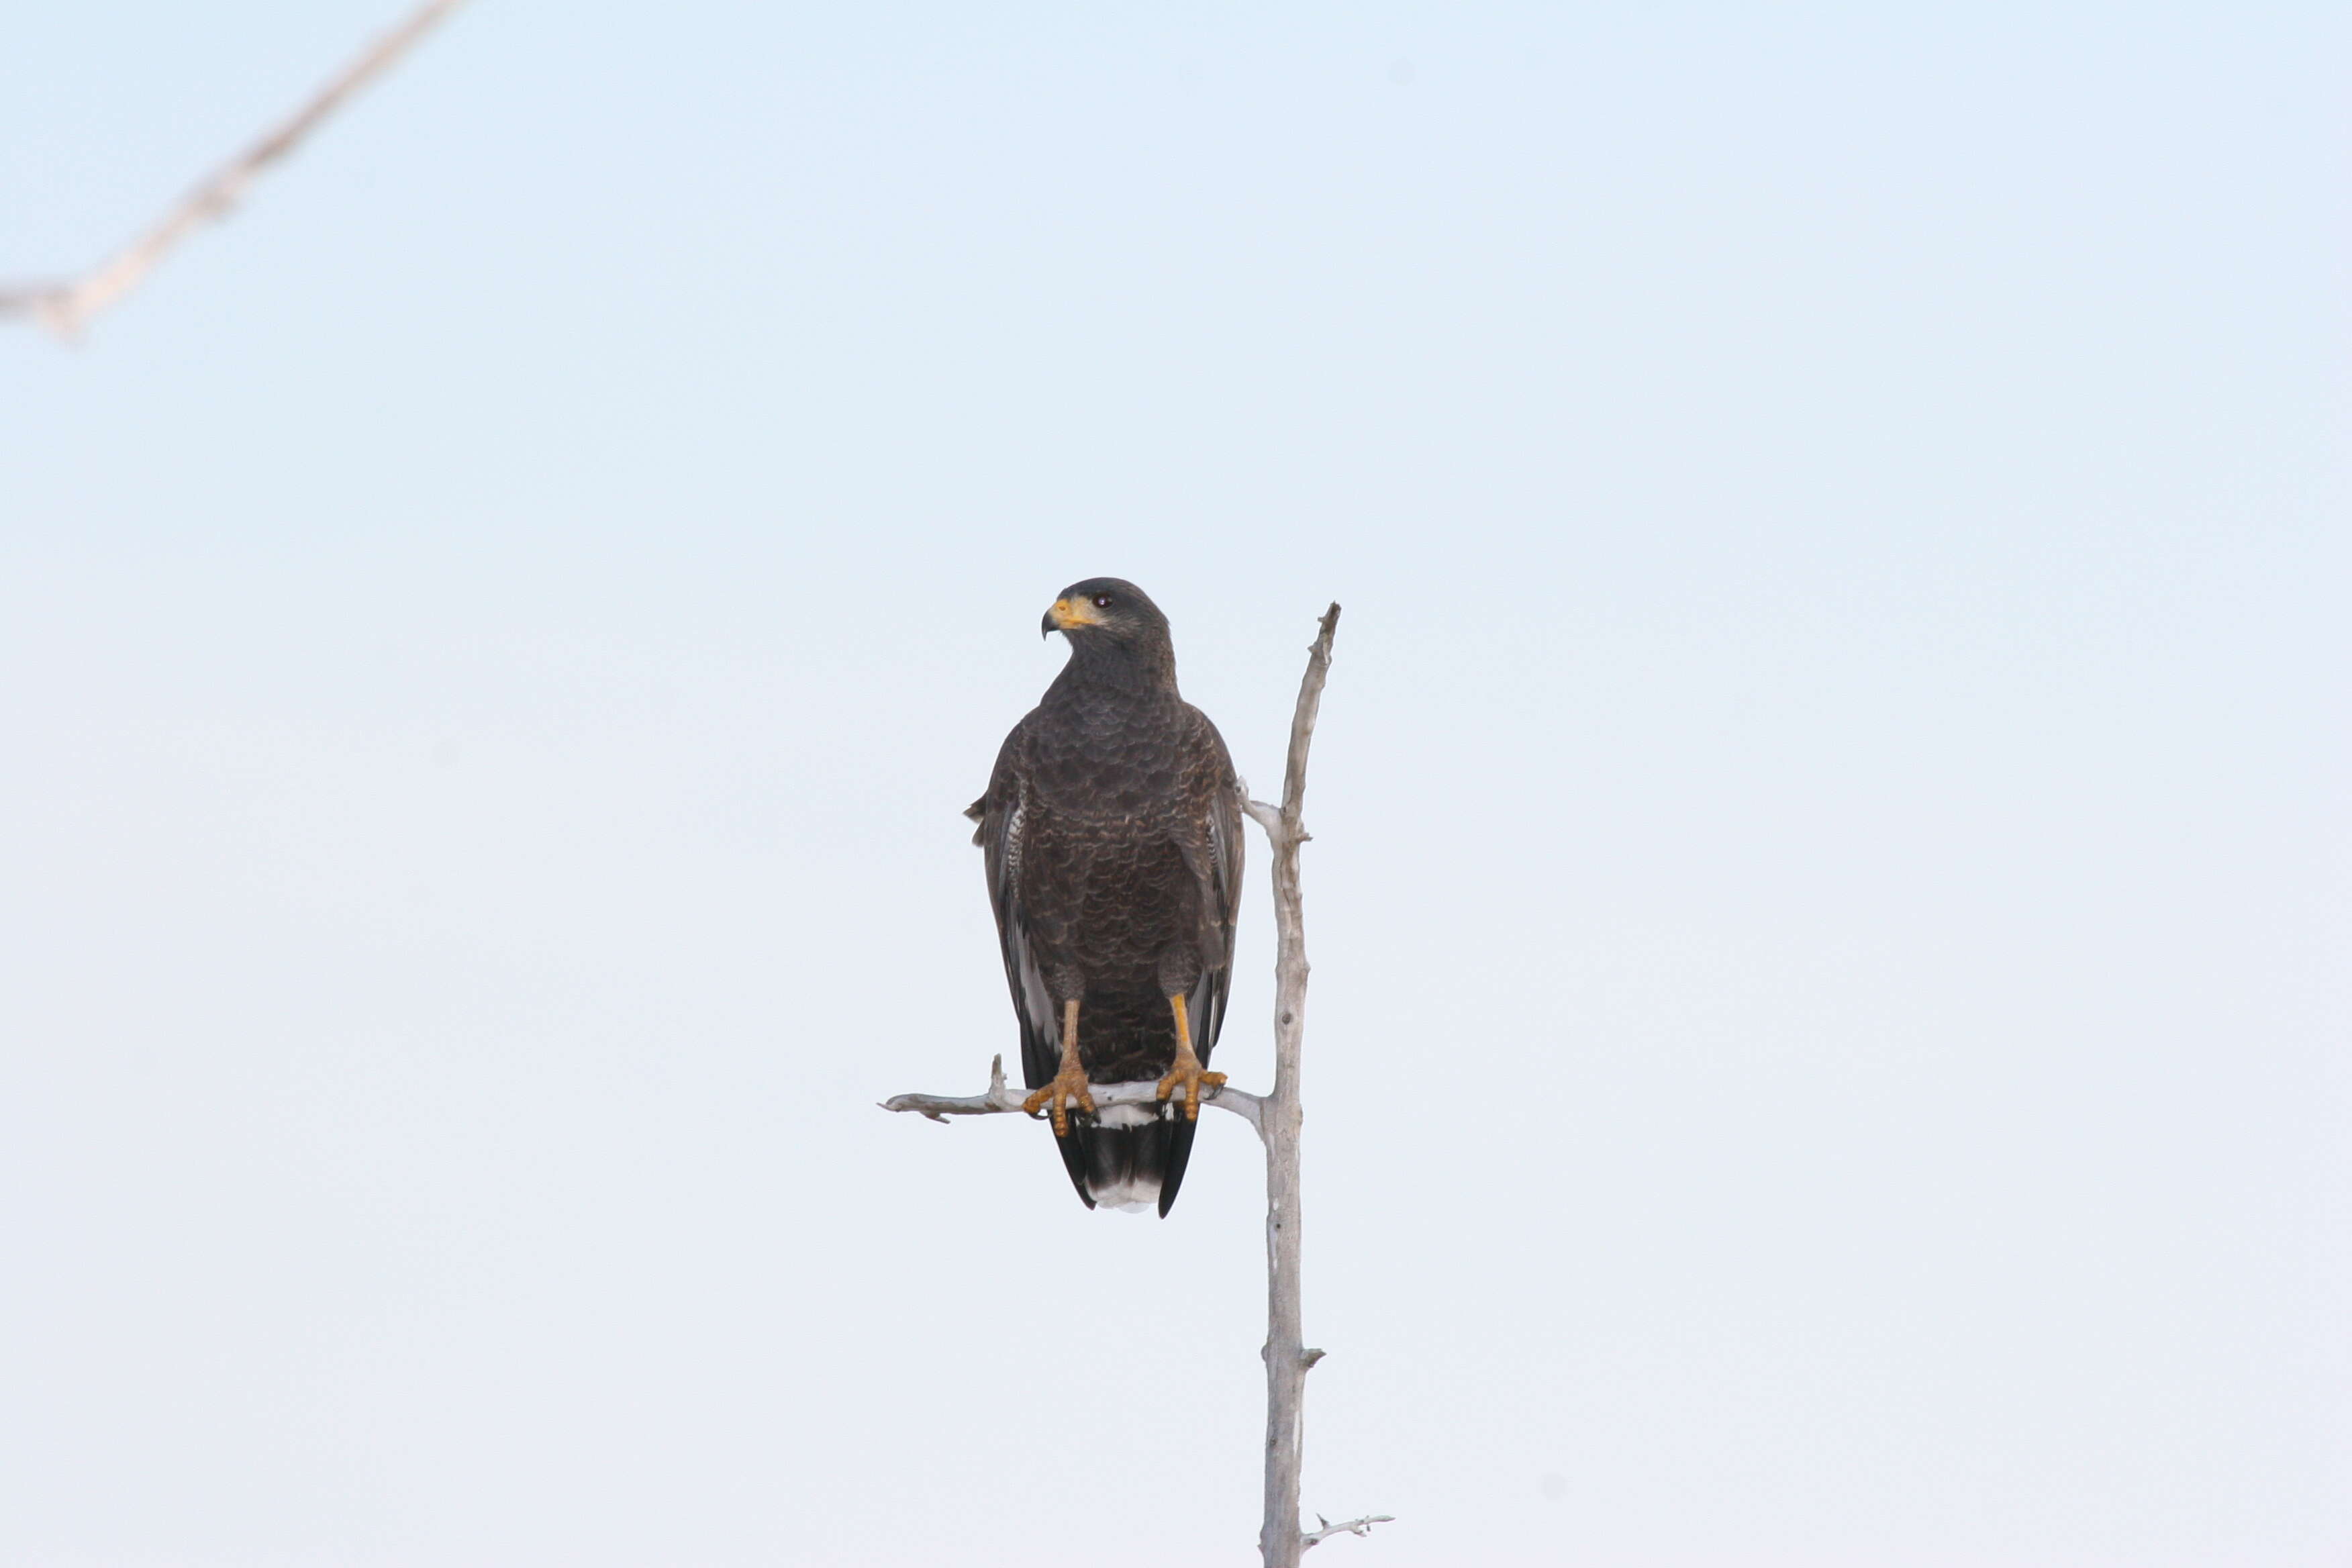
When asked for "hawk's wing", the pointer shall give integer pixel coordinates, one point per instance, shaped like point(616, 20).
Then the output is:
point(1220, 796)
point(1002, 813)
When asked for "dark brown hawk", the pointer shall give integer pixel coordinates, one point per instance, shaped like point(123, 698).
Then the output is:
point(1113, 832)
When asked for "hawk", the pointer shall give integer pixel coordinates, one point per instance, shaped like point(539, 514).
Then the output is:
point(1112, 829)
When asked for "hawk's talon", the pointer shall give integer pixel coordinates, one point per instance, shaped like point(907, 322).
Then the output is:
point(1068, 1088)
point(1189, 1072)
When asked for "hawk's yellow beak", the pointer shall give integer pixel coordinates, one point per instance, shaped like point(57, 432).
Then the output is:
point(1066, 614)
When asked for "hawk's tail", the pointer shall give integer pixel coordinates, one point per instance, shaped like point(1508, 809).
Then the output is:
point(1128, 1156)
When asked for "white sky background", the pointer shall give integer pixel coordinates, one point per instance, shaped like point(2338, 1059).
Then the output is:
point(1830, 901)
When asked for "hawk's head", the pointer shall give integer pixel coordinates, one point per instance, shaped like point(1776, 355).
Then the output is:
point(1108, 609)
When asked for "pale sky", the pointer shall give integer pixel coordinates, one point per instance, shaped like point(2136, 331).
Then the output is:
point(1831, 883)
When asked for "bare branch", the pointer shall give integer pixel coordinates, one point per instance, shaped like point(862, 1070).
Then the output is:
point(1001, 1099)
point(1287, 1356)
point(1353, 1527)
point(65, 308)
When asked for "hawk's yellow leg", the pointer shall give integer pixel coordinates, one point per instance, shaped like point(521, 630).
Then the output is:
point(1188, 1070)
point(1069, 1085)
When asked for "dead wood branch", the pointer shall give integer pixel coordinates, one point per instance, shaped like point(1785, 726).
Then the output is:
point(1288, 1359)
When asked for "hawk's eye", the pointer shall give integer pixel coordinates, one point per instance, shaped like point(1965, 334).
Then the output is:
point(1102, 601)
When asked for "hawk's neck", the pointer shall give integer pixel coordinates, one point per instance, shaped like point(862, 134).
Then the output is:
point(1123, 673)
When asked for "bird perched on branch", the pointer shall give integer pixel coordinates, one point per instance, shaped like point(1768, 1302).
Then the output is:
point(1113, 831)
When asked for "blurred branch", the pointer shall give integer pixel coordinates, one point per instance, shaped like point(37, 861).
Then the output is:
point(65, 308)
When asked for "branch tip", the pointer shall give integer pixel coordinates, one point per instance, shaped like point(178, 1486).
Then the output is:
point(1352, 1527)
